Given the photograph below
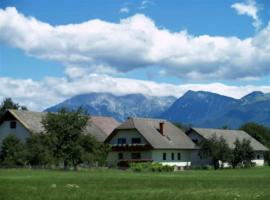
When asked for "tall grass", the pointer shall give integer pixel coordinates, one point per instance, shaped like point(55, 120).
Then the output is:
point(23, 184)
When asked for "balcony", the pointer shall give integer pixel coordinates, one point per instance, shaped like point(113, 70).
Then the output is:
point(131, 147)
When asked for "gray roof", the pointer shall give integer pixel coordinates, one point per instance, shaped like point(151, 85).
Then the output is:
point(174, 138)
point(230, 136)
point(32, 122)
point(107, 124)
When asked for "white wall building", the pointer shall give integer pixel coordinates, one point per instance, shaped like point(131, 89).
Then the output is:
point(155, 140)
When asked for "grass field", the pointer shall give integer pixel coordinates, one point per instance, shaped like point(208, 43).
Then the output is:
point(112, 184)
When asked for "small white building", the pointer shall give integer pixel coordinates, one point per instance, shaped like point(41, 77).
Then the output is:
point(153, 140)
point(230, 136)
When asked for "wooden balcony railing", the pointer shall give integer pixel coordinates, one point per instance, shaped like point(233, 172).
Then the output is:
point(130, 147)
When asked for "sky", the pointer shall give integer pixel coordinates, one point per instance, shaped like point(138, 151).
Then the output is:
point(53, 50)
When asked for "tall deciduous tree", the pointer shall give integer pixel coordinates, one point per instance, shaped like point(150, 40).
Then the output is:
point(66, 131)
point(216, 149)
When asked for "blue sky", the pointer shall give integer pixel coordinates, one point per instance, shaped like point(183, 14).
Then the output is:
point(219, 46)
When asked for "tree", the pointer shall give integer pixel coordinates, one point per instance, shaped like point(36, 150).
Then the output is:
point(242, 153)
point(38, 151)
point(216, 149)
point(260, 133)
point(7, 103)
point(12, 151)
point(65, 130)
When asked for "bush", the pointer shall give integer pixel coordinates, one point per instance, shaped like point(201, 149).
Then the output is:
point(202, 167)
point(150, 167)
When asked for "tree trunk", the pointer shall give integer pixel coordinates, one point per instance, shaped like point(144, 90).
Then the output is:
point(65, 165)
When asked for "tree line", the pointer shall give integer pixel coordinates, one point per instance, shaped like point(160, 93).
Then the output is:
point(64, 142)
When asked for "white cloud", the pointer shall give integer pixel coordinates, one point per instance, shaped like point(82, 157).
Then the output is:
point(145, 3)
point(251, 9)
point(38, 95)
point(136, 42)
point(124, 10)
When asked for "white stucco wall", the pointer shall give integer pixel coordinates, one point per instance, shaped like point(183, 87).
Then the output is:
point(21, 132)
point(259, 161)
point(128, 134)
point(157, 156)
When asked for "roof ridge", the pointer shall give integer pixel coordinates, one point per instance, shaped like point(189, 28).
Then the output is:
point(149, 119)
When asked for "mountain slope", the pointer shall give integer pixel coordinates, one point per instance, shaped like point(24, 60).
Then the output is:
point(205, 109)
point(119, 107)
point(197, 107)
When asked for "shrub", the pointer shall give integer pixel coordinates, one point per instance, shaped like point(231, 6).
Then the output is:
point(150, 167)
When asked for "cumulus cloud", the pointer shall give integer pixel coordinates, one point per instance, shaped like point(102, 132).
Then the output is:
point(137, 42)
point(38, 95)
point(251, 9)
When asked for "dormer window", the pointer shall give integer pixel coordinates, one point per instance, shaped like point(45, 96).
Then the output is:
point(136, 140)
point(121, 141)
point(13, 125)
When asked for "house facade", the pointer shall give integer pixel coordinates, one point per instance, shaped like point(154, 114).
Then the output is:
point(199, 134)
point(153, 140)
point(24, 123)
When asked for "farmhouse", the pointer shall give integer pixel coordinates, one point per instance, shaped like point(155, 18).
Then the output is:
point(157, 140)
point(199, 134)
point(23, 123)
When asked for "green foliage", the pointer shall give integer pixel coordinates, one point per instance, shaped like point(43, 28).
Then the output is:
point(68, 141)
point(12, 152)
point(260, 133)
point(7, 103)
point(38, 152)
point(242, 154)
point(215, 148)
point(150, 167)
point(65, 130)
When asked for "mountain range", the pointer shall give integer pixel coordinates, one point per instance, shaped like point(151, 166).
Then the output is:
point(119, 107)
point(200, 109)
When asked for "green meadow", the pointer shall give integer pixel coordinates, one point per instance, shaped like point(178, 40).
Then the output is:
point(24, 184)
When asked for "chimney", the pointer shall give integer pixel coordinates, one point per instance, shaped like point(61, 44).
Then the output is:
point(161, 128)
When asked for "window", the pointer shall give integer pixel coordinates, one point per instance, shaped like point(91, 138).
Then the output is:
point(164, 156)
point(136, 140)
point(258, 156)
point(179, 156)
point(172, 156)
point(12, 125)
point(135, 155)
point(195, 141)
point(121, 141)
point(120, 156)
